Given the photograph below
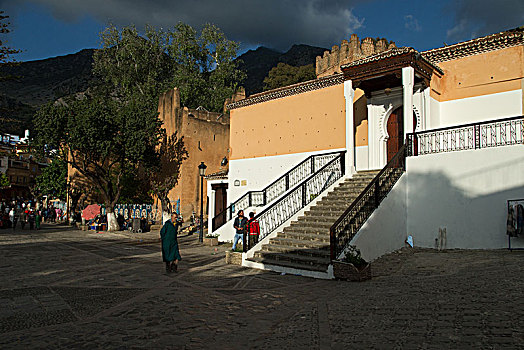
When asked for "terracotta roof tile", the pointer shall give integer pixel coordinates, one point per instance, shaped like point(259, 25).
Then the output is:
point(294, 89)
point(509, 38)
point(222, 174)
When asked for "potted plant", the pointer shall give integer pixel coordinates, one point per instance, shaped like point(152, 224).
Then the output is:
point(352, 267)
point(211, 240)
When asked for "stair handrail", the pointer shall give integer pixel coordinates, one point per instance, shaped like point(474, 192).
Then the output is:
point(330, 172)
point(501, 132)
point(398, 161)
point(248, 196)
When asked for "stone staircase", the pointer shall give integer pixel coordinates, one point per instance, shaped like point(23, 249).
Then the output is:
point(304, 245)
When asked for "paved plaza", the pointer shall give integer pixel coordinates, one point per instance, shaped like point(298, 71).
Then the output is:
point(65, 288)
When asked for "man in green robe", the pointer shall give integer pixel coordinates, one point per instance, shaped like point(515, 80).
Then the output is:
point(168, 235)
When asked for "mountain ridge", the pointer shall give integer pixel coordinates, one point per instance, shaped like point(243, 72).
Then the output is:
point(41, 81)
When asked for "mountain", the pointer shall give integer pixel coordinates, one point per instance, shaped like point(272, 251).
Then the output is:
point(41, 81)
point(38, 82)
point(257, 63)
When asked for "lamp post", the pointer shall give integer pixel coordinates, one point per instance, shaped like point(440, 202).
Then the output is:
point(202, 172)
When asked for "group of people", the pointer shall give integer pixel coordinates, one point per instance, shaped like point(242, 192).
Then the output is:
point(247, 230)
point(26, 214)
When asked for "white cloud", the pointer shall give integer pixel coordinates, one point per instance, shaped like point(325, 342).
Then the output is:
point(411, 23)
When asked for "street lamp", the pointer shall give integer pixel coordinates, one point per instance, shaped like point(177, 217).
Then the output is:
point(202, 172)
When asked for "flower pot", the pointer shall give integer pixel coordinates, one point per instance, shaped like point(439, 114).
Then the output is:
point(347, 271)
point(211, 241)
point(234, 258)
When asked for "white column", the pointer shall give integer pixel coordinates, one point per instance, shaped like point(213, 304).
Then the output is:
point(408, 80)
point(349, 94)
point(211, 215)
point(426, 106)
point(373, 136)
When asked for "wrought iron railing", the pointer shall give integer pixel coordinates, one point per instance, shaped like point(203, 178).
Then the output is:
point(275, 189)
point(301, 195)
point(493, 133)
point(348, 224)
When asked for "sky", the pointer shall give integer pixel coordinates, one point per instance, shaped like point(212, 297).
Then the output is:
point(48, 28)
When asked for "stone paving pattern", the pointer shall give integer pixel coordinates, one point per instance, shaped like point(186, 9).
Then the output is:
point(64, 288)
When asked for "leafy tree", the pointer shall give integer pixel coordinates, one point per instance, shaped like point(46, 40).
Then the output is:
point(4, 180)
point(204, 69)
point(163, 176)
point(53, 180)
point(114, 129)
point(284, 75)
point(101, 138)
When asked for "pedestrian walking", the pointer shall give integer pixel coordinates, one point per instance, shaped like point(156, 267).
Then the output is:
point(15, 218)
point(240, 226)
point(23, 218)
point(31, 218)
point(12, 216)
point(168, 236)
point(38, 218)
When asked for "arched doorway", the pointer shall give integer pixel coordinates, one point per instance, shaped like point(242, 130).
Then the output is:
point(395, 129)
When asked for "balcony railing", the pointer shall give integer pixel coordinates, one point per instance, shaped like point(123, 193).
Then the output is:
point(275, 189)
point(301, 195)
point(493, 133)
point(348, 224)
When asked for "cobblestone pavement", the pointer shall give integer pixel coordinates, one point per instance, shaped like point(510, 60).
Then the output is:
point(64, 288)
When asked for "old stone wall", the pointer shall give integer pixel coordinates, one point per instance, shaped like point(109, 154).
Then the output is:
point(206, 137)
point(347, 52)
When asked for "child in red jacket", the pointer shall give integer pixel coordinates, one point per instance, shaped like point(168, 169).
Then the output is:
point(253, 229)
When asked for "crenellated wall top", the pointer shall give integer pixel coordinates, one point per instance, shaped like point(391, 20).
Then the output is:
point(348, 52)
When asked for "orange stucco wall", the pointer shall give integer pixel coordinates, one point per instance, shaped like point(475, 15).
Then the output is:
point(306, 122)
point(206, 138)
point(360, 110)
point(482, 74)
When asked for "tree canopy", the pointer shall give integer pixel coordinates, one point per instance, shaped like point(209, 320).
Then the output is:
point(4, 180)
point(109, 132)
point(53, 180)
point(284, 74)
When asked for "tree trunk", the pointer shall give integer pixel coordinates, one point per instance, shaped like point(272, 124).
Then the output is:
point(112, 224)
point(166, 208)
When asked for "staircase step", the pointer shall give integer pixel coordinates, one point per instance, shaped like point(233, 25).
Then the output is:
point(298, 243)
point(305, 244)
point(290, 264)
point(306, 229)
point(277, 248)
point(304, 260)
point(324, 237)
point(321, 225)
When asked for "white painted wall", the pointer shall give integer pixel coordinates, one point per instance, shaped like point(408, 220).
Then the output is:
point(261, 171)
point(466, 193)
point(433, 121)
point(386, 229)
point(481, 108)
point(362, 158)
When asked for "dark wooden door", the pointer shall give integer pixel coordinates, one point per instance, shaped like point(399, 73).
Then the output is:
point(220, 204)
point(395, 128)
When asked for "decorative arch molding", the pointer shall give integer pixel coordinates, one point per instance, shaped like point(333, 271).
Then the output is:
point(383, 134)
point(418, 118)
point(383, 120)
